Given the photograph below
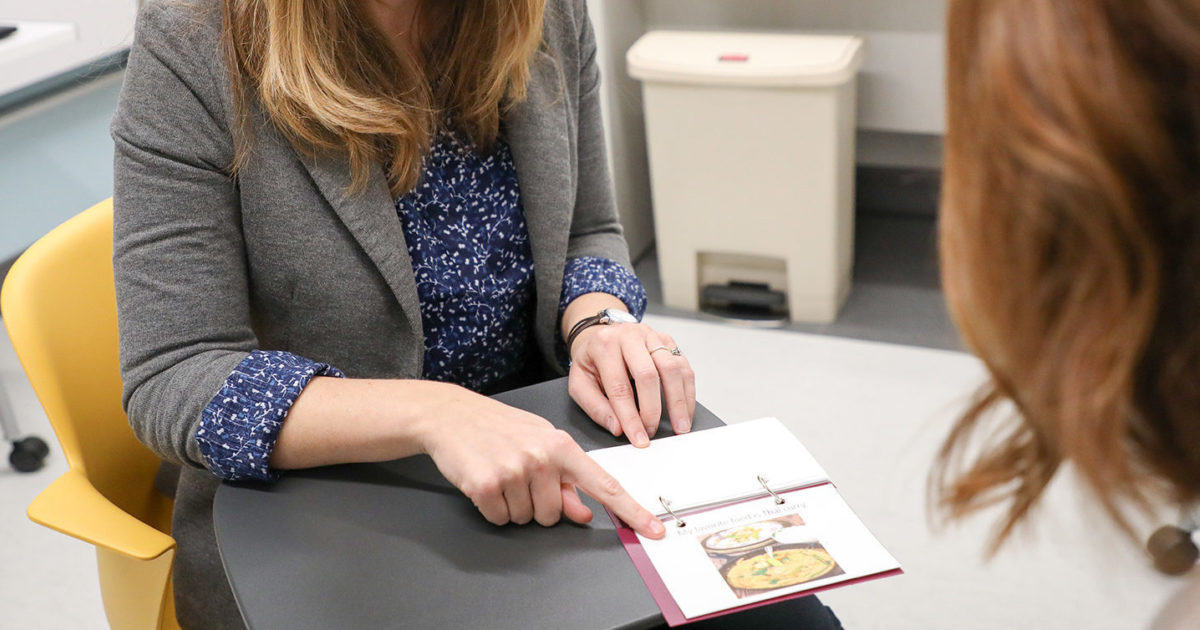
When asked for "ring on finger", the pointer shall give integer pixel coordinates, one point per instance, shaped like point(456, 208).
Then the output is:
point(674, 351)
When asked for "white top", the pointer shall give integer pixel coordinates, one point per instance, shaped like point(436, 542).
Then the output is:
point(1182, 611)
point(749, 59)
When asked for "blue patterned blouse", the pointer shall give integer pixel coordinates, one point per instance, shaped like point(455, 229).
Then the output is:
point(466, 234)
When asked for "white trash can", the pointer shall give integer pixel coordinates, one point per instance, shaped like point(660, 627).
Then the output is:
point(751, 146)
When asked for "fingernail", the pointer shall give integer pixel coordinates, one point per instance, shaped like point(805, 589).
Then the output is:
point(613, 425)
point(656, 527)
point(685, 425)
point(640, 439)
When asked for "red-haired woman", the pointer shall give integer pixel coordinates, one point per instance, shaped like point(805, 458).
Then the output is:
point(1070, 242)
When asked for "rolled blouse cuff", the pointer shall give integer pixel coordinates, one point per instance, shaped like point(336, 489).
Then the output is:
point(239, 426)
point(591, 274)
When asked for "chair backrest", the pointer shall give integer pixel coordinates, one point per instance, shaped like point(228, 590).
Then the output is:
point(59, 305)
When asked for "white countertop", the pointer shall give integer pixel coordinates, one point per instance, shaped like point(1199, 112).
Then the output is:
point(32, 38)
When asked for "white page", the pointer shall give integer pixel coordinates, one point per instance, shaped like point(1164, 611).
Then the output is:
point(714, 465)
point(815, 521)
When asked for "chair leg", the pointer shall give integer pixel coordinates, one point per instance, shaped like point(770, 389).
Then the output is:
point(28, 453)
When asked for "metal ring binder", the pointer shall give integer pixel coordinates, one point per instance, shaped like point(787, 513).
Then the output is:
point(667, 506)
point(778, 499)
point(679, 522)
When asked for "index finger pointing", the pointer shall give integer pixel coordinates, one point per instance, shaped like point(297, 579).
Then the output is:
point(588, 476)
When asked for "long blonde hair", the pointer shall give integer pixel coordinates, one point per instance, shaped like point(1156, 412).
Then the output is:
point(1070, 246)
point(330, 81)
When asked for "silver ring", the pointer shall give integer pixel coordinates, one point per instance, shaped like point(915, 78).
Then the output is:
point(674, 351)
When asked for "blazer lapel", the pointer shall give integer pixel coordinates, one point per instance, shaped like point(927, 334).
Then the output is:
point(538, 135)
point(371, 218)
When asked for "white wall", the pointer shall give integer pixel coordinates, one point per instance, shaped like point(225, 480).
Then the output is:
point(900, 83)
point(101, 28)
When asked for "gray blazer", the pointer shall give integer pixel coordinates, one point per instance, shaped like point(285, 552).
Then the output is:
point(209, 268)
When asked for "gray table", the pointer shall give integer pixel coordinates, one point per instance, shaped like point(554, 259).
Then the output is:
point(395, 545)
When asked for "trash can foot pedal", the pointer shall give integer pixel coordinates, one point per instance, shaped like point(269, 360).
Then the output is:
point(749, 302)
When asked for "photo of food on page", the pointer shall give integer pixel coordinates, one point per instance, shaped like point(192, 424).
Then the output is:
point(757, 550)
point(752, 560)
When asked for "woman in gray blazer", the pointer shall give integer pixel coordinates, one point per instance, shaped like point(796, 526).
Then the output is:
point(338, 222)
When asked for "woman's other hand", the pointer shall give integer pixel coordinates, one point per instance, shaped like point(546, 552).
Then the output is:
point(516, 467)
point(617, 374)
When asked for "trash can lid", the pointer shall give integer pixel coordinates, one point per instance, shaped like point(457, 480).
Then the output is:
point(749, 59)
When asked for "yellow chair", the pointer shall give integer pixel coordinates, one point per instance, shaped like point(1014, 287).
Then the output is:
point(59, 306)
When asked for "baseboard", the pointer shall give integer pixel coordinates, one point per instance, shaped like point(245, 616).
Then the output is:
point(888, 190)
point(64, 81)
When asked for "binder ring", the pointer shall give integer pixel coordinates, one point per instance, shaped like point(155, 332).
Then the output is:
point(667, 506)
point(778, 499)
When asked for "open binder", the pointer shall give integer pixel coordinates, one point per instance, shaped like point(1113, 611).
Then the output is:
point(751, 518)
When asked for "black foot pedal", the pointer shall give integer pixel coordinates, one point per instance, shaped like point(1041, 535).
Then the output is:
point(746, 301)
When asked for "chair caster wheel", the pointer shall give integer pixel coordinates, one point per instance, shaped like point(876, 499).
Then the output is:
point(28, 454)
point(36, 445)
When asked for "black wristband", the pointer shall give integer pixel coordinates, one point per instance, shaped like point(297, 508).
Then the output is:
point(582, 325)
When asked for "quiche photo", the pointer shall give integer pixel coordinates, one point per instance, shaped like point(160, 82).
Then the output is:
point(779, 567)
